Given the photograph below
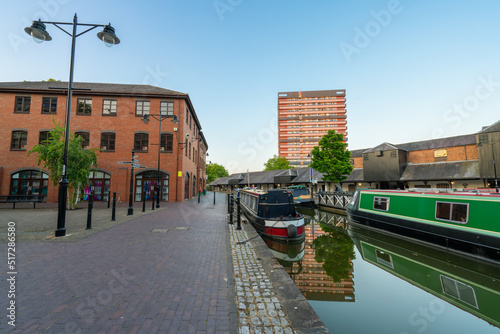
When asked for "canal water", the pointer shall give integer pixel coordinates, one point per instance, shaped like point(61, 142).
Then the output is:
point(360, 281)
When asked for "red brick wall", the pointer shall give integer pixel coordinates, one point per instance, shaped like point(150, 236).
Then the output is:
point(456, 153)
point(125, 124)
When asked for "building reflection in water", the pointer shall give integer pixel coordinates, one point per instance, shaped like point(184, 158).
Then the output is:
point(321, 266)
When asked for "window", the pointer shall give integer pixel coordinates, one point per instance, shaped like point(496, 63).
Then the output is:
point(49, 105)
point(394, 154)
point(459, 290)
point(108, 141)
point(189, 151)
point(166, 108)
point(483, 138)
point(84, 107)
point(44, 136)
point(23, 104)
point(167, 142)
point(454, 212)
point(109, 107)
point(142, 107)
point(381, 203)
point(146, 184)
point(29, 182)
point(99, 186)
point(19, 140)
point(141, 142)
point(85, 138)
point(384, 258)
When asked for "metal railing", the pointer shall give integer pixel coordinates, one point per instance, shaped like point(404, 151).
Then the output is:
point(337, 199)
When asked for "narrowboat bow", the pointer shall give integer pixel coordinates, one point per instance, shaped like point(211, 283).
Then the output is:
point(273, 213)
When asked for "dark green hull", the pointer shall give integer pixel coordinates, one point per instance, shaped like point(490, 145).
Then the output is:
point(471, 285)
point(472, 227)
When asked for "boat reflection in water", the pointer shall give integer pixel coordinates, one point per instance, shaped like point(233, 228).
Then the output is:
point(289, 255)
point(326, 270)
point(467, 283)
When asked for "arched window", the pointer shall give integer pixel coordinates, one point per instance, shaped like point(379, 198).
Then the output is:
point(146, 184)
point(186, 187)
point(100, 183)
point(194, 185)
point(29, 182)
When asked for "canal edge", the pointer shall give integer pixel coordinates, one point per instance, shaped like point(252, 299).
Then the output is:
point(302, 317)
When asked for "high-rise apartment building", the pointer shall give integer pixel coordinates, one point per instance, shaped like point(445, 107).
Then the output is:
point(305, 117)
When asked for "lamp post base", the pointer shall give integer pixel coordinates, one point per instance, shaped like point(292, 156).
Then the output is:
point(61, 207)
point(60, 232)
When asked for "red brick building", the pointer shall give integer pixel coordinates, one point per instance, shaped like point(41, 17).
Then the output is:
point(304, 118)
point(108, 117)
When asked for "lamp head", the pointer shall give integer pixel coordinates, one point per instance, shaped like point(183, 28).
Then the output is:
point(145, 118)
point(175, 120)
point(107, 35)
point(38, 32)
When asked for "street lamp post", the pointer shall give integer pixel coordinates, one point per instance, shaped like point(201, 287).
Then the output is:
point(145, 120)
point(130, 210)
point(159, 118)
point(39, 34)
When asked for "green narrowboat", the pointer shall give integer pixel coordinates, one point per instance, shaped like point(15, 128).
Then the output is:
point(461, 280)
point(466, 222)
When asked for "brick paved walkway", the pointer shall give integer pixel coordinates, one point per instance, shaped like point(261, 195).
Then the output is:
point(165, 272)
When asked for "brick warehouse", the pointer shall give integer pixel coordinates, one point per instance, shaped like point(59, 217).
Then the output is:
point(108, 117)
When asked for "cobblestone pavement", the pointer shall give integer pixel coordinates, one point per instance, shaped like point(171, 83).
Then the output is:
point(259, 309)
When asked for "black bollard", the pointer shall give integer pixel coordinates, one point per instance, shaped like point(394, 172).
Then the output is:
point(231, 210)
point(89, 212)
point(153, 199)
point(228, 204)
point(199, 194)
point(113, 212)
point(238, 212)
point(214, 197)
point(144, 202)
point(109, 198)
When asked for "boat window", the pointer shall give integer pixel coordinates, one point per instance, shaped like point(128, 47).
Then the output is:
point(277, 204)
point(384, 258)
point(455, 212)
point(381, 203)
point(459, 290)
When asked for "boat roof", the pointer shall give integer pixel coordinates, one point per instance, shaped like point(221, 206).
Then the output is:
point(262, 192)
point(445, 192)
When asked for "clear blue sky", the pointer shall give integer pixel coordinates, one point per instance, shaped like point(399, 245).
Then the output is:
point(412, 70)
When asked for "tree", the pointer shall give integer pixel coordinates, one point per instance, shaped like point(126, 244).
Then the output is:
point(335, 250)
point(331, 158)
point(215, 171)
point(276, 163)
point(80, 161)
